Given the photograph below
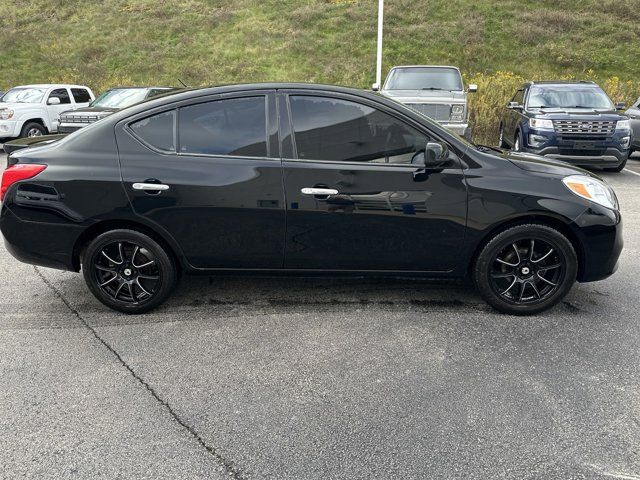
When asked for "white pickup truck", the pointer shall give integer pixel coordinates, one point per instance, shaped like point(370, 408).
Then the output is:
point(32, 110)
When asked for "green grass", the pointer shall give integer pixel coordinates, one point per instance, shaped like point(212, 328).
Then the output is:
point(333, 41)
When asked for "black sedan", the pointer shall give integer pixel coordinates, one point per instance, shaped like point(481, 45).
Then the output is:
point(299, 178)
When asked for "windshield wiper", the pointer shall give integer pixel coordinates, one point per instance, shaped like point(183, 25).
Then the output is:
point(433, 88)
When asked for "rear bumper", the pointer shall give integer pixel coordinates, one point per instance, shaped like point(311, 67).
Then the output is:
point(600, 235)
point(38, 243)
point(459, 128)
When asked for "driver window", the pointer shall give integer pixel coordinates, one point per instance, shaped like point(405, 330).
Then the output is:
point(518, 97)
point(339, 130)
point(62, 94)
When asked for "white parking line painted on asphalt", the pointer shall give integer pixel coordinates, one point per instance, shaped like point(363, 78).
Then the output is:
point(631, 171)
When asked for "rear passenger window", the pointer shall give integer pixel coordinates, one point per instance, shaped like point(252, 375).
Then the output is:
point(81, 95)
point(157, 131)
point(235, 127)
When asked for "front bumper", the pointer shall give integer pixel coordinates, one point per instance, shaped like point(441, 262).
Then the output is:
point(9, 129)
point(599, 231)
point(459, 128)
point(71, 127)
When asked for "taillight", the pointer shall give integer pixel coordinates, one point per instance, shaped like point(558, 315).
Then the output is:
point(17, 172)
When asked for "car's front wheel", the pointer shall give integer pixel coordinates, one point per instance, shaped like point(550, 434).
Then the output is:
point(32, 129)
point(525, 269)
point(128, 271)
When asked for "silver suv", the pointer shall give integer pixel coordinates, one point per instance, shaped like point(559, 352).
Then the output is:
point(435, 91)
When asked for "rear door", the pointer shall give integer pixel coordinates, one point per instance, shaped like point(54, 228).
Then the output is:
point(217, 161)
point(356, 198)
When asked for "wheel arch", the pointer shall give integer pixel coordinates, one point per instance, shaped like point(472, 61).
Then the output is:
point(107, 225)
point(539, 219)
point(37, 120)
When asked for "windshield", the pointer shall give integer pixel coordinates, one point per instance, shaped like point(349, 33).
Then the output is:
point(23, 95)
point(120, 98)
point(424, 78)
point(574, 96)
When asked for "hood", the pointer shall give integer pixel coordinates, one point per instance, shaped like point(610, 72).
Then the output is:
point(90, 112)
point(424, 96)
point(18, 106)
point(537, 163)
point(587, 114)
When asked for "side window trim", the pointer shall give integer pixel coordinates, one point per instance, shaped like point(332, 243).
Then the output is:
point(349, 98)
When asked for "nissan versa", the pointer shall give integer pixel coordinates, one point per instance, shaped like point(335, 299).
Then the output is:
point(302, 179)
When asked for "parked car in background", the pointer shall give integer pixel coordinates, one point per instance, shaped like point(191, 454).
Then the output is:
point(110, 101)
point(301, 179)
point(435, 91)
point(571, 121)
point(33, 110)
point(634, 115)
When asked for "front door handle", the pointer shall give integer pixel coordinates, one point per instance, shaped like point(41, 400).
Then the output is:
point(154, 187)
point(319, 191)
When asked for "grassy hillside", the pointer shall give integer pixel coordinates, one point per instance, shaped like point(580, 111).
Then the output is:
point(220, 41)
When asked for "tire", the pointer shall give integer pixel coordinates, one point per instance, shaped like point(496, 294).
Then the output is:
point(32, 129)
point(508, 288)
point(501, 141)
point(619, 168)
point(517, 142)
point(128, 271)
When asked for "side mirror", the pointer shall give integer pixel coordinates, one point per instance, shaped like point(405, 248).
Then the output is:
point(473, 88)
point(375, 87)
point(435, 154)
point(514, 106)
point(53, 101)
point(621, 106)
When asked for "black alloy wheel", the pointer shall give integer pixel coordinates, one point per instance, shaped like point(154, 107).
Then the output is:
point(526, 269)
point(128, 271)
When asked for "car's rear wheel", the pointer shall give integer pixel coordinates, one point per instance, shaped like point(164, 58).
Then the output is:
point(128, 271)
point(32, 129)
point(525, 269)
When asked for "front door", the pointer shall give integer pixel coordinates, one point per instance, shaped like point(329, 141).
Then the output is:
point(216, 163)
point(357, 198)
point(54, 111)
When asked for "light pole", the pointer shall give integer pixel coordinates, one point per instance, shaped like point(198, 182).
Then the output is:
point(379, 54)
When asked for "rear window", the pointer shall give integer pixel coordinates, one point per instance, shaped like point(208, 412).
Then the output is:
point(81, 95)
point(157, 131)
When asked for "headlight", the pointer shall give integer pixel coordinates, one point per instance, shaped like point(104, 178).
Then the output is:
point(6, 114)
point(592, 189)
point(623, 125)
point(457, 109)
point(541, 124)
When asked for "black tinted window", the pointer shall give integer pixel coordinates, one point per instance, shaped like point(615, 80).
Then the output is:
point(236, 126)
point(81, 95)
point(344, 131)
point(62, 94)
point(157, 130)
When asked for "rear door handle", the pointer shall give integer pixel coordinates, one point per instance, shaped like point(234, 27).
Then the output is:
point(319, 191)
point(150, 186)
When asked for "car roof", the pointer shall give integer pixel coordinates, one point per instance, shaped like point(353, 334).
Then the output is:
point(49, 85)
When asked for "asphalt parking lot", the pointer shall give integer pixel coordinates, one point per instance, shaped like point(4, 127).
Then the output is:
point(321, 378)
